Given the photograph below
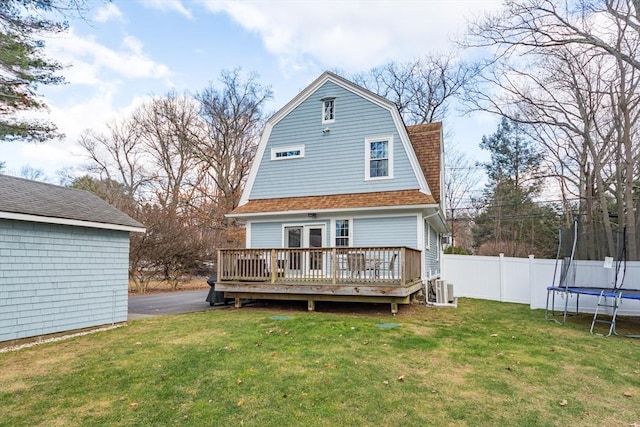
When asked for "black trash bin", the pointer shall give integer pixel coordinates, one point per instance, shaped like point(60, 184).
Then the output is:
point(214, 297)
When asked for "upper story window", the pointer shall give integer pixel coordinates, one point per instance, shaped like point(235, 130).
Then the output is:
point(328, 110)
point(378, 158)
point(282, 153)
point(342, 232)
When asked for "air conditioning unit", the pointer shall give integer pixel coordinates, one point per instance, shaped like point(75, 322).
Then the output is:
point(444, 292)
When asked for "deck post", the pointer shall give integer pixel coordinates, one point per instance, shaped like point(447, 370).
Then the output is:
point(220, 261)
point(334, 265)
point(274, 266)
point(238, 303)
point(403, 267)
point(311, 304)
point(394, 308)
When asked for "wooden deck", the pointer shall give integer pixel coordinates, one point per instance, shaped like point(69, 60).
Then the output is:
point(367, 274)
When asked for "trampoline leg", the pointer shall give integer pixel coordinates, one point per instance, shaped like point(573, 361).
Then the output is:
point(553, 307)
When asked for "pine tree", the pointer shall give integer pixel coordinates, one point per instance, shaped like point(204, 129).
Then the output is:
point(23, 66)
point(511, 222)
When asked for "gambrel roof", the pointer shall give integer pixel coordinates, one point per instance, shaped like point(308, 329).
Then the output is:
point(422, 144)
point(22, 199)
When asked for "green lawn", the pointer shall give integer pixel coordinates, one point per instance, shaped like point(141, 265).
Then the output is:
point(482, 364)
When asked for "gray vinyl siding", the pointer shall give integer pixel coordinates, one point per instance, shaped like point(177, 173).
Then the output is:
point(391, 231)
point(56, 278)
point(334, 162)
point(431, 261)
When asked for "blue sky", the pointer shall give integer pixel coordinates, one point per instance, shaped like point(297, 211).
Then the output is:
point(128, 50)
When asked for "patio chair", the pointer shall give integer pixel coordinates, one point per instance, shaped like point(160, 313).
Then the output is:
point(356, 263)
point(391, 267)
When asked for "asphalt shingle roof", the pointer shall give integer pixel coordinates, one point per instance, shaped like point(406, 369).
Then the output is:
point(337, 201)
point(22, 196)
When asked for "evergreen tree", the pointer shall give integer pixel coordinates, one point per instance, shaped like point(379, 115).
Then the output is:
point(510, 221)
point(23, 67)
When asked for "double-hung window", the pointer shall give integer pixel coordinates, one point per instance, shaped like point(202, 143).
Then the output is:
point(378, 158)
point(342, 233)
point(328, 110)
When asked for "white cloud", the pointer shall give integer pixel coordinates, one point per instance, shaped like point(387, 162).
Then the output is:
point(350, 35)
point(91, 60)
point(108, 12)
point(168, 5)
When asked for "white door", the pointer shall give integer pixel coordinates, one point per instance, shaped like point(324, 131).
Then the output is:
point(305, 236)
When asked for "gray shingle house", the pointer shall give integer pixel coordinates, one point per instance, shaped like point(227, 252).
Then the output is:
point(64, 259)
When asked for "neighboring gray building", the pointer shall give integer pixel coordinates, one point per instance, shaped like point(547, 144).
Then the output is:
point(64, 259)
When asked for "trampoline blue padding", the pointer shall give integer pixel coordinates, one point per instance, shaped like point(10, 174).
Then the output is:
point(605, 292)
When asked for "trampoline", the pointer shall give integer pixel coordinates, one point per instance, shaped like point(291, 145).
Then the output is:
point(609, 297)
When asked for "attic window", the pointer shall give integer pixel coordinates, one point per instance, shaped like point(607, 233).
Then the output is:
point(284, 153)
point(328, 110)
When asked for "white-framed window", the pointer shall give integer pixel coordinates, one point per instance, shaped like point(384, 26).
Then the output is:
point(328, 110)
point(342, 233)
point(284, 153)
point(378, 158)
point(427, 236)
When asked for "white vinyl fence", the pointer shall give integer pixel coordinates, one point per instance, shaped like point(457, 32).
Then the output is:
point(525, 280)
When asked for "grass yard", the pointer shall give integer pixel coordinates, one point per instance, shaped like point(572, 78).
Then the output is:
point(483, 364)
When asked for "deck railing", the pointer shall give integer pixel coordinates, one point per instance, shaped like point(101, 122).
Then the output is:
point(363, 265)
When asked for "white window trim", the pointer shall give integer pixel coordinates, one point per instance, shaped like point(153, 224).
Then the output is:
point(305, 238)
point(285, 149)
point(367, 158)
point(334, 111)
point(333, 231)
point(427, 244)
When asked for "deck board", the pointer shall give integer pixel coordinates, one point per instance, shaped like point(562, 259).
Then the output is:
point(311, 289)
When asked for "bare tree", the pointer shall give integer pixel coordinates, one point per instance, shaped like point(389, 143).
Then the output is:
point(421, 89)
point(461, 177)
point(169, 129)
point(567, 70)
point(117, 156)
point(233, 119)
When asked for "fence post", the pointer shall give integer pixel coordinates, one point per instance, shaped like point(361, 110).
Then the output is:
point(532, 280)
point(501, 276)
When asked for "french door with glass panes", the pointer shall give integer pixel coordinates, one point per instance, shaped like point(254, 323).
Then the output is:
point(305, 236)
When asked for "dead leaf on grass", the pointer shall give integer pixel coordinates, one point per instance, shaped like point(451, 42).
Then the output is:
point(385, 382)
point(238, 381)
point(494, 335)
point(564, 402)
point(627, 394)
point(134, 406)
point(401, 377)
point(240, 403)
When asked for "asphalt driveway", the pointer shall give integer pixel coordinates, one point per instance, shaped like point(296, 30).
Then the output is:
point(169, 303)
